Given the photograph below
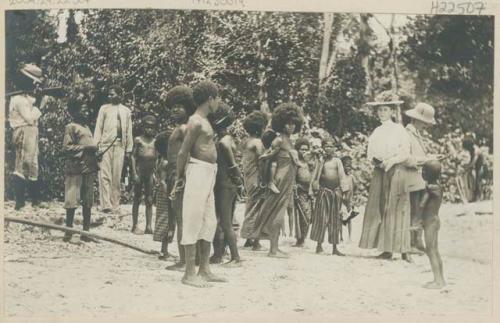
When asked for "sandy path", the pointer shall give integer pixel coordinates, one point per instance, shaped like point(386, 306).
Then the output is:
point(46, 277)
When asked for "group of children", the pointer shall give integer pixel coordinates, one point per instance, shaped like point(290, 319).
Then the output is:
point(322, 181)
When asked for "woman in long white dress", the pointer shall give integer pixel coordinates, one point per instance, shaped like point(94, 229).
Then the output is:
point(386, 224)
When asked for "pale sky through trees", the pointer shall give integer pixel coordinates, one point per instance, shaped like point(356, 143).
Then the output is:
point(382, 37)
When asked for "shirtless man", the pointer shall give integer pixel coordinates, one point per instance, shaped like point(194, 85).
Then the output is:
point(330, 187)
point(143, 166)
point(197, 170)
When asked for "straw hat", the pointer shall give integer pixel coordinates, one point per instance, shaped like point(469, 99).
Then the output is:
point(422, 112)
point(385, 98)
point(33, 72)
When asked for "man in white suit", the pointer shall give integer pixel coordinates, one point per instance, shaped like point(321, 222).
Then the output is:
point(113, 128)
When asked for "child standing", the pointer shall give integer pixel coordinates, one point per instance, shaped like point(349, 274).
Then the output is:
point(81, 166)
point(330, 186)
point(430, 204)
point(349, 194)
point(164, 225)
point(143, 167)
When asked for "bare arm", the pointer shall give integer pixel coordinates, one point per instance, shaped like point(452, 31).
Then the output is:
point(162, 172)
point(129, 147)
point(70, 146)
point(193, 129)
point(273, 151)
point(227, 153)
point(133, 160)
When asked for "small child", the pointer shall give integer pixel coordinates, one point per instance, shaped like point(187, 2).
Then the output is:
point(143, 162)
point(349, 194)
point(330, 186)
point(165, 224)
point(81, 166)
point(430, 204)
point(269, 165)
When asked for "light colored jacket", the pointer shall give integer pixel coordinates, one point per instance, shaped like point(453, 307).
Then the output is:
point(417, 155)
point(22, 112)
point(107, 124)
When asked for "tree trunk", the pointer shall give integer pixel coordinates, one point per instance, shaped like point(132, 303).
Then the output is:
point(364, 51)
point(325, 49)
point(262, 80)
point(394, 71)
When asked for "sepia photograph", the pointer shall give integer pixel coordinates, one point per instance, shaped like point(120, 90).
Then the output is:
point(175, 163)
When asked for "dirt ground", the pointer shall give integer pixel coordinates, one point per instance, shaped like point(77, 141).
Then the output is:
point(46, 277)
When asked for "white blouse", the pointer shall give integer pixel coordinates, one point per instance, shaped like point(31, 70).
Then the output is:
point(389, 140)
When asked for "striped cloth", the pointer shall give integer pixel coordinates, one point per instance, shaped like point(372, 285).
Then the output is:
point(326, 216)
point(302, 212)
point(161, 222)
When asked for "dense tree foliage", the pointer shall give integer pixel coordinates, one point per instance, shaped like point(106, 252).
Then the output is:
point(328, 64)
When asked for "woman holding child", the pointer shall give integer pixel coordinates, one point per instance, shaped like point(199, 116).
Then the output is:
point(386, 224)
point(287, 120)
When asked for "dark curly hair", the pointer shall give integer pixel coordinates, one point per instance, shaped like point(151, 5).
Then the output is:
point(223, 117)
point(255, 123)
point(74, 105)
point(204, 90)
point(286, 113)
point(181, 95)
point(301, 142)
point(118, 90)
point(468, 143)
point(267, 138)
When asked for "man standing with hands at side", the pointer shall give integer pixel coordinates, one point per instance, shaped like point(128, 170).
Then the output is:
point(197, 170)
point(113, 134)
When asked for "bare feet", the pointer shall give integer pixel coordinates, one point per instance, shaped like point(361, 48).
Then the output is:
point(257, 247)
point(88, 239)
point(434, 285)
point(167, 257)
point(195, 281)
point(406, 257)
point(209, 277)
point(319, 249)
point(416, 251)
point(67, 237)
point(248, 243)
point(135, 230)
point(272, 187)
point(148, 231)
point(233, 263)
point(278, 255)
point(177, 267)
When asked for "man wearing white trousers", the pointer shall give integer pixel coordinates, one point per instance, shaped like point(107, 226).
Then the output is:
point(113, 133)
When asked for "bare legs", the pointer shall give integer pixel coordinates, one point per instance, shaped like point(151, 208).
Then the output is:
point(204, 274)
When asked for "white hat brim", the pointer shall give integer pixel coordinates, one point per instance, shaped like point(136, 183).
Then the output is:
point(414, 115)
point(31, 76)
point(376, 103)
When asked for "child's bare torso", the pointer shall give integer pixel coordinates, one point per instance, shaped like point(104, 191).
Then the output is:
point(330, 174)
point(145, 155)
point(304, 174)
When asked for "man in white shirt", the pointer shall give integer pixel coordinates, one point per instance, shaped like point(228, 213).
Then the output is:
point(113, 130)
point(23, 119)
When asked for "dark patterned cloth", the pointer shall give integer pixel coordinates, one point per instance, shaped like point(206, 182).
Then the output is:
point(326, 216)
point(302, 212)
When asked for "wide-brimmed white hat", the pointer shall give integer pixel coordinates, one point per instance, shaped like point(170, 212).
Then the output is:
point(33, 72)
point(385, 98)
point(423, 112)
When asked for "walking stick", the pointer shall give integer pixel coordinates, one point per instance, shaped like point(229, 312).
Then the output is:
point(80, 232)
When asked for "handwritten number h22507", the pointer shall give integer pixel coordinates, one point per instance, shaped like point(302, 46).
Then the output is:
point(458, 8)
